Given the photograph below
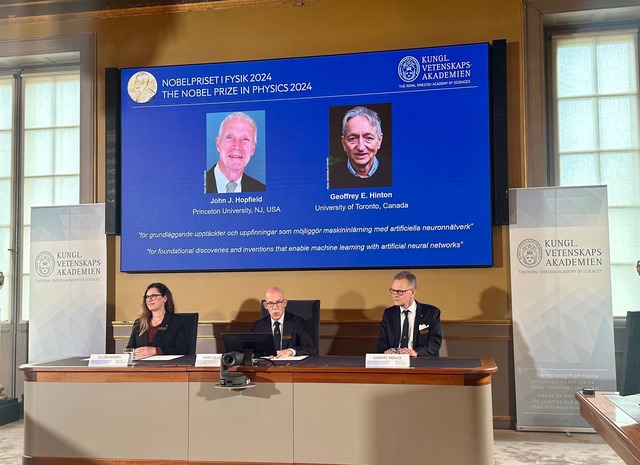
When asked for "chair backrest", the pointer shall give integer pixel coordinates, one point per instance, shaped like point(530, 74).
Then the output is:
point(191, 322)
point(309, 311)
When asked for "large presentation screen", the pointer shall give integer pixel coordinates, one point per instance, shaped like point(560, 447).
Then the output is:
point(371, 160)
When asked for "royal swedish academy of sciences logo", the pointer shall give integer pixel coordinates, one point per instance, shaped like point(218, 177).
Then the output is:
point(409, 69)
point(529, 253)
point(45, 264)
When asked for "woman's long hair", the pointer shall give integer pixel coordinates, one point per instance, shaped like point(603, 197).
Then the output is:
point(144, 316)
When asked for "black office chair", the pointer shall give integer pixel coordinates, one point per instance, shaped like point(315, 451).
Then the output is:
point(191, 322)
point(309, 311)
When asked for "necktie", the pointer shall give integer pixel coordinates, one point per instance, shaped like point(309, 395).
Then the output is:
point(277, 339)
point(404, 339)
point(231, 186)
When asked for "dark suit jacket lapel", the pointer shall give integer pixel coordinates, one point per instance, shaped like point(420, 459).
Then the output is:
point(417, 322)
point(211, 180)
point(396, 329)
point(287, 330)
point(265, 325)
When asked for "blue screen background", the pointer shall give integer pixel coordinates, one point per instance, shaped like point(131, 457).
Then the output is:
point(439, 147)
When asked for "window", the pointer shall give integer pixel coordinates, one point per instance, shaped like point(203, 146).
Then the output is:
point(6, 168)
point(596, 138)
point(48, 157)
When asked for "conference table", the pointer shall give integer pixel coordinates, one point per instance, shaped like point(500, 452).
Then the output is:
point(320, 410)
point(616, 419)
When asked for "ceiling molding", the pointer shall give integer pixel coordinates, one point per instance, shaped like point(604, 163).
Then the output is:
point(57, 10)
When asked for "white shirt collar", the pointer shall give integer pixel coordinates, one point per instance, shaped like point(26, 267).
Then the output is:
point(221, 181)
point(412, 308)
point(281, 320)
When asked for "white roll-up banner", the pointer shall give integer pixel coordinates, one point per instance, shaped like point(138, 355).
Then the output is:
point(561, 303)
point(67, 285)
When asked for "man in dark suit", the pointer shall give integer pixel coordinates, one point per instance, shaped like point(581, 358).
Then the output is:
point(409, 327)
point(289, 334)
point(236, 142)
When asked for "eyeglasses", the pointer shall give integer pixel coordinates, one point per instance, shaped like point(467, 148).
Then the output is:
point(152, 297)
point(277, 303)
point(399, 291)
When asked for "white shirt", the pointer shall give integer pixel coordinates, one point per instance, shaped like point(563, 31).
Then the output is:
point(412, 319)
point(281, 321)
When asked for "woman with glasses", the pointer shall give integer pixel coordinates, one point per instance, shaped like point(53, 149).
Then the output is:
point(157, 329)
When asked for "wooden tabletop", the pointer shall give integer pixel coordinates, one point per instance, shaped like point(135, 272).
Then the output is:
point(615, 426)
point(434, 371)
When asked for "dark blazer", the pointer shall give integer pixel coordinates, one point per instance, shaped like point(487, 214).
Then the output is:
point(340, 177)
point(294, 336)
point(249, 184)
point(426, 342)
point(171, 337)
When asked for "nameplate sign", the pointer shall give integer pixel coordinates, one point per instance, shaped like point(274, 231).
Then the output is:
point(109, 360)
point(387, 361)
point(208, 360)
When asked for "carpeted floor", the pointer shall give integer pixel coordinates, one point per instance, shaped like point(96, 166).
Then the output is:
point(529, 448)
point(11, 436)
point(511, 448)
